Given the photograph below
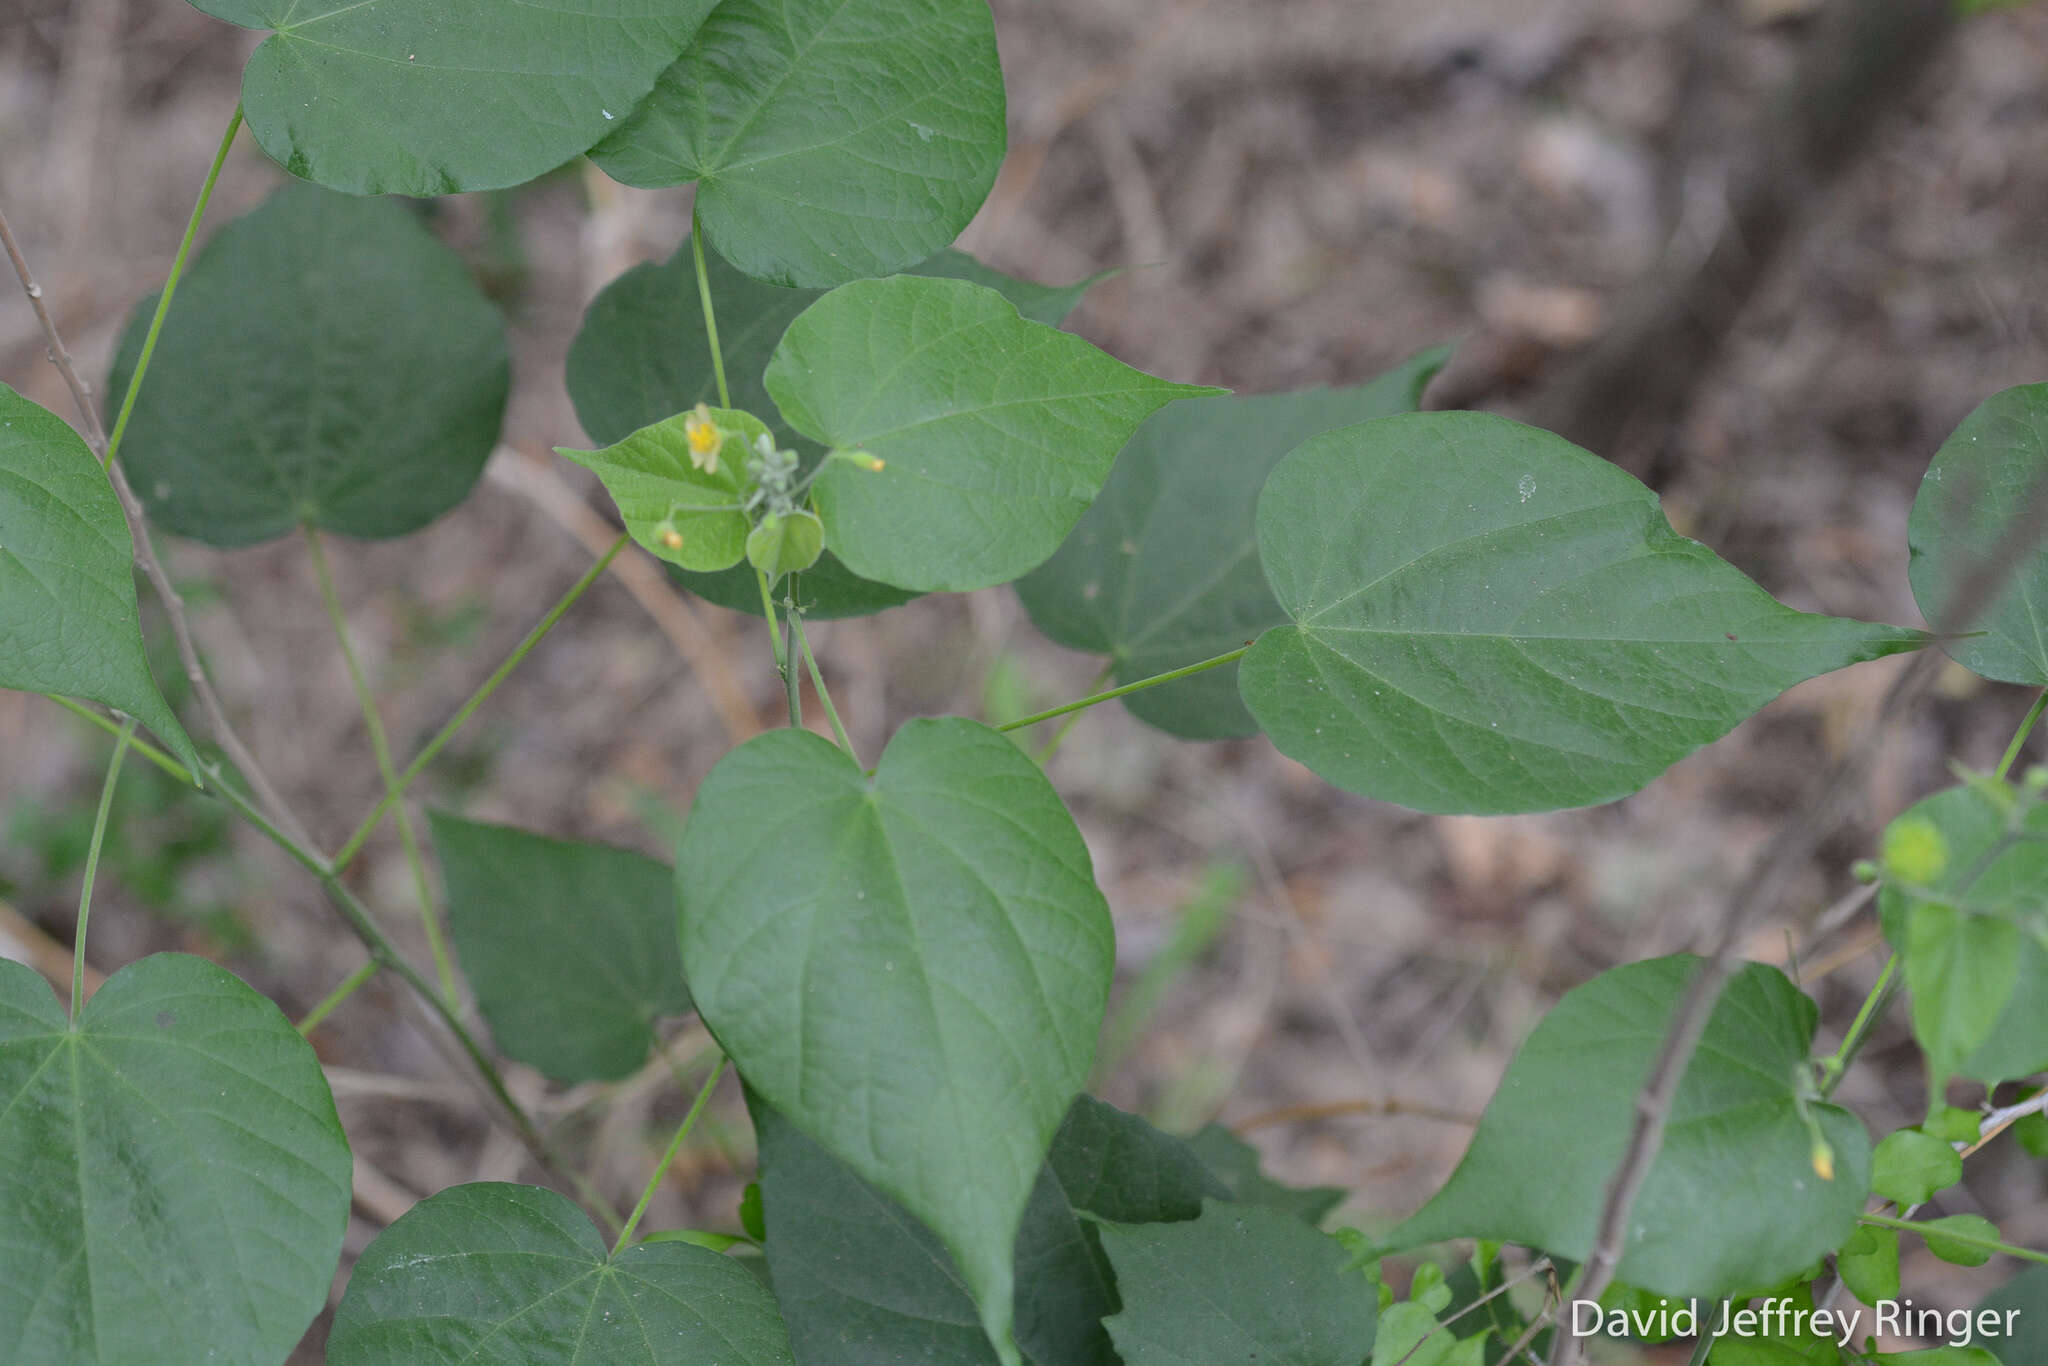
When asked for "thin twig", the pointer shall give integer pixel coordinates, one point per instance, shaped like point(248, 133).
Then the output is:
point(53, 344)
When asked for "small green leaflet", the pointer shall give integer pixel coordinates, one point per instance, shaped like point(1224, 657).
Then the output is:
point(176, 1183)
point(1982, 477)
point(1488, 619)
point(498, 1272)
point(68, 622)
point(830, 139)
point(1972, 926)
point(328, 361)
point(863, 1283)
point(571, 948)
point(1163, 569)
point(641, 356)
point(430, 97)
point(659, 490)
point(910, 965)
point(1239, 1284)
point(1538, 1168)
point(1908, 1167)
point(996, 432)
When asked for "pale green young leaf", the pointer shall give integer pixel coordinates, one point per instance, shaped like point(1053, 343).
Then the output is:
point(430, 97)
point(68, 615)
point(1163, 569)
point(782, 545)
point(1487, 619)
point(1869, 1263)
point(1241, 1283)
point(498, 1272)
point(874, 950)
point(675, 509)
point(1909, 1166)
point(1552, 1136)
point(1953, 1250)
point(1972, 930)
point(176, 1182)
point(1982, 477)
point(328, 362)
point(830, 139)
point(570, 948)
point(996, 432)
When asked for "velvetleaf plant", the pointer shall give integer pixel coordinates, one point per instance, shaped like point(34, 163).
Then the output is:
point(816, 408)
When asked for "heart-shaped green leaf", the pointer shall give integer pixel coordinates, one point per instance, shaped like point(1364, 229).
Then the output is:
point(677, 507)
point(327, 361)
point(1488, 619)
point(830, 139)
point(996, 432)
point(571, 947)
point(498, 1272)
point(862, 1283)
point(176, 1182)
point(911, 966)
point(1552, 1136)
point(1163, 569)
point(780, 545)
point(68, 622)
point(1239, 1284)
point(1965, 901)
point(428, 97)
point(1980, 479)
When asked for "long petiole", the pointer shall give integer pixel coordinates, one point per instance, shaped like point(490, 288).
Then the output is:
point(163, 303)
point(92, 863)
point(334, 998)
point(796, 622)
point(354, 844)
point(2019, 738)
point(710, 313)
point(2025, 1254)
point(380, 745)
point(1139, 686)
point(139, 745)
point(1059, 737)
point(1833, 1070)
point(675, 1145)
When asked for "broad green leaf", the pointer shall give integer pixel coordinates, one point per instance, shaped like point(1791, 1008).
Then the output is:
point(861, 1281)
point(1946, 1356)
point(1551, 1138)
point(1163, 570)
point(176, 1181)
point(430, 97)
point(1236, 1164)
point(1488, 619)
point(1241, 1283)
point(571, 948)
point(1974, 932)
point(997, 432)
point(1908, 1166)
point(68, 622)
point(1979, 480)
point(1869, 1264)
point(328, 361)
point(910, 965)
point(830, 139)
point(498, 1272)
point(677, 511)
point(641, 356)
point(2021, 1306)
point(1974, 1226)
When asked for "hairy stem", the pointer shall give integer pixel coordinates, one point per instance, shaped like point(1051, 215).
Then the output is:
point(1836, 1067)
point(796, 623)
point(1154, 681)
point(380, 745)
point(710, 313)
point(2019, 737)
point(675, 1145)
point(92, 863)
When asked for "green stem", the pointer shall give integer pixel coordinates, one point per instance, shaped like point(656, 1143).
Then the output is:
point(796, 622)
point(2012, 751)
point(348, 987)
point(138, 744)
point(380, 745)
point(2025, 1254)
point(675, 1145)
point(1880, 996)
point(163, 303)
point(92, 863)
point(710, 314)
point(1139, 686)
point(1059, 737)
point(780, 646)
point(354, 844)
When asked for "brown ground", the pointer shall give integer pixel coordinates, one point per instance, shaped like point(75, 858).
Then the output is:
point(1324, 186)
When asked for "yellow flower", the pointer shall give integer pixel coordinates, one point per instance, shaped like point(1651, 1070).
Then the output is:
point(704, 437)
